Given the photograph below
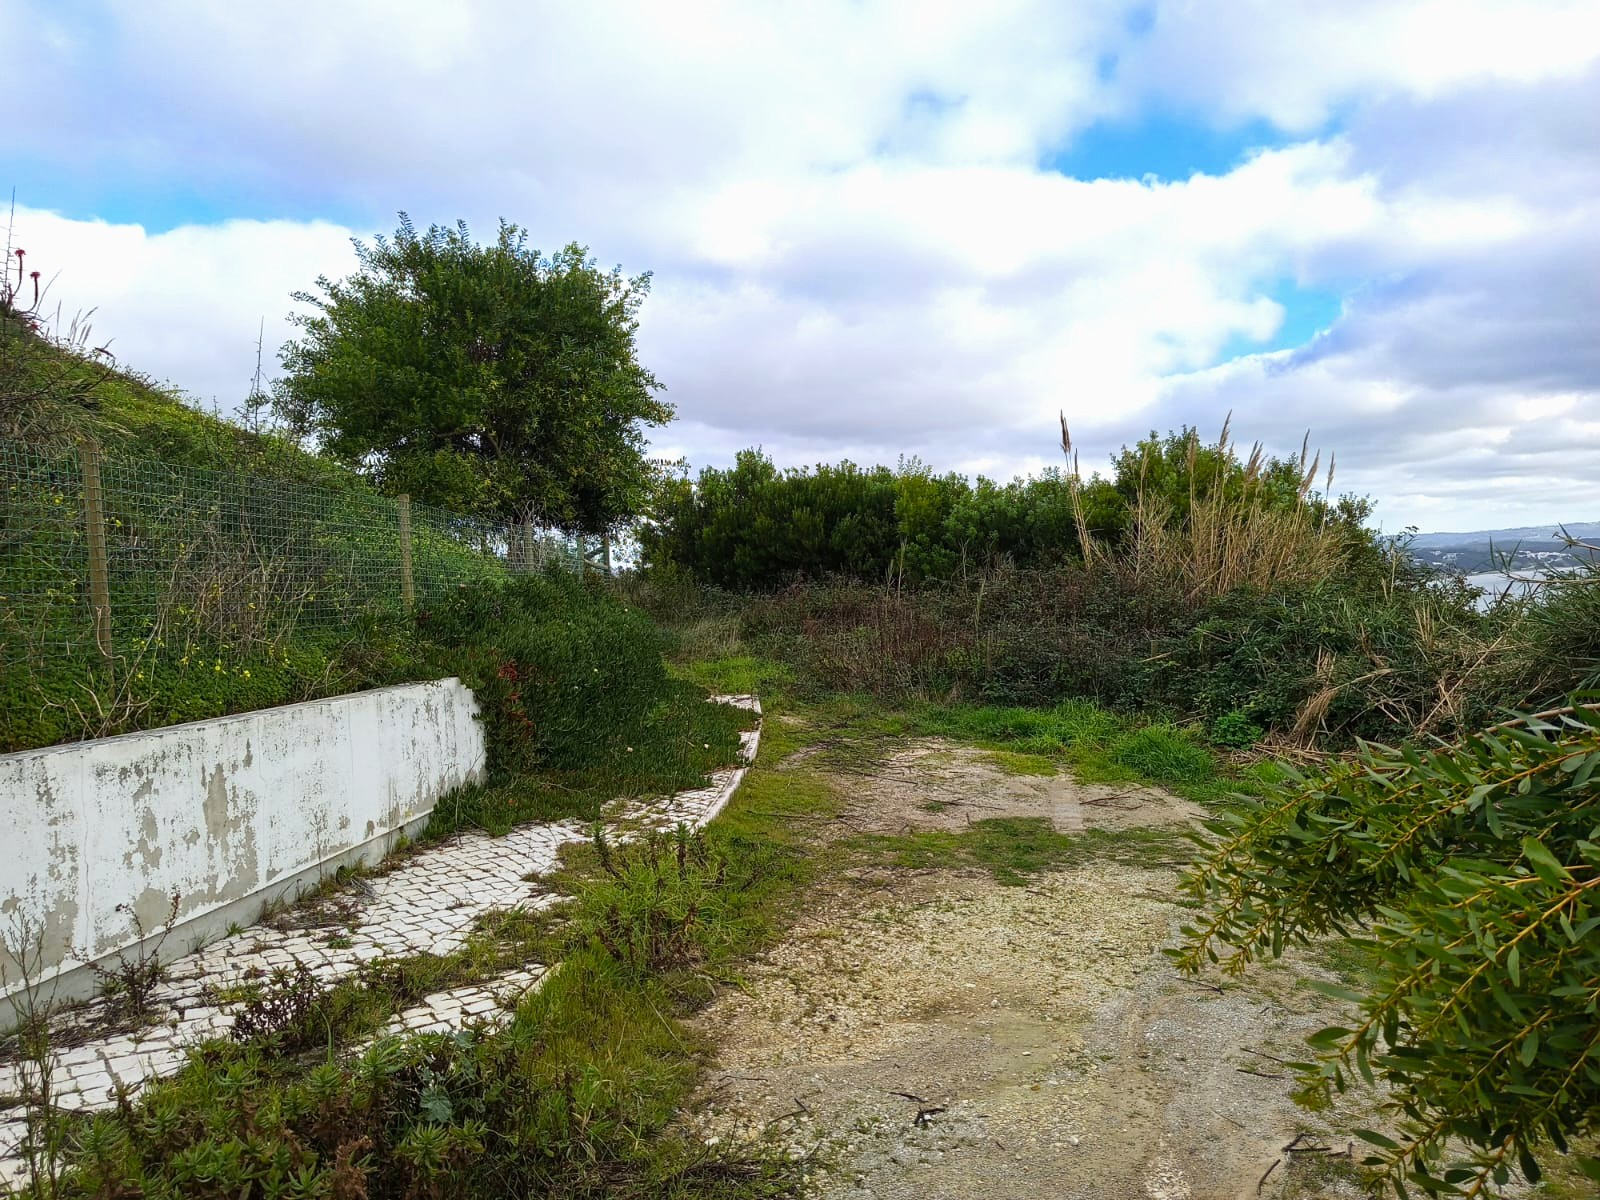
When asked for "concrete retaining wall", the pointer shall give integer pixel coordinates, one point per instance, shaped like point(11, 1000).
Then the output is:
point(228, 813)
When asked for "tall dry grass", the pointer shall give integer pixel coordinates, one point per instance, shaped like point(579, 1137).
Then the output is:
point(1237, 533)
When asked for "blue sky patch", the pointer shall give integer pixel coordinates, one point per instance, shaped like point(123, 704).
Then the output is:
point(130, 197)
point(1306, 313)
point(1164, 145)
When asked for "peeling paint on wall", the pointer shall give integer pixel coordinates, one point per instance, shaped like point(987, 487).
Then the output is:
point(217, 810)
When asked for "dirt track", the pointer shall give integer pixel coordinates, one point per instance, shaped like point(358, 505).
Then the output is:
point(936, 1034)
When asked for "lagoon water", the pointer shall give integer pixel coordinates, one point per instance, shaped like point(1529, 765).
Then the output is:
point(1492, 585)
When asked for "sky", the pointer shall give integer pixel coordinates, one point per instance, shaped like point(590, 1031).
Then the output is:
point(882, 227)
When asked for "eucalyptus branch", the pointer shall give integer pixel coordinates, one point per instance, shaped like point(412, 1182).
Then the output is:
point(1472, 867)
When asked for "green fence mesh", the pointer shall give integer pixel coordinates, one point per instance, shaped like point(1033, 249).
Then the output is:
point(221, 558)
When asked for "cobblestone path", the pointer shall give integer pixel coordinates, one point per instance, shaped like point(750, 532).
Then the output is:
point(429, 904)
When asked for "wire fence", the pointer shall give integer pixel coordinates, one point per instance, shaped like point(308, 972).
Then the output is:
point(118, 557)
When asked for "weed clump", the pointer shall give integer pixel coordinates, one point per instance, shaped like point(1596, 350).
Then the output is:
point(1166, 754)
point(129, 984)
point(283, 1012)
point(657, 900)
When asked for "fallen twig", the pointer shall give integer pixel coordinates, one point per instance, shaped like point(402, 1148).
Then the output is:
point(1295, 1147)
point(1264, 1054)
point(1262, 1182)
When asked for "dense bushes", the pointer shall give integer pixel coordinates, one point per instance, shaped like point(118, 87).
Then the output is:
point(557, 667)
point(753, 527)
point(576, 702)
point(1013, 636)
point(1339, 662)
point(1219, 588)
point(1326, 664)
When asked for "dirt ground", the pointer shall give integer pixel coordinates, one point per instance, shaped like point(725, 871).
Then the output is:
point(936, 1034)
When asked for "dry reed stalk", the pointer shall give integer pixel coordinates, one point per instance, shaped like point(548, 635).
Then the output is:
point(1311, 713)
point(1234, 534)
point(1075, 490)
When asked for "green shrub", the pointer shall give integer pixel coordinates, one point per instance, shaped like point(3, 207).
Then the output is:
point(558, 667)
point(1235, 730)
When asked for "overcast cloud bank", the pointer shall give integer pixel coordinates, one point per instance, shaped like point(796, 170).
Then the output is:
point(867, 228)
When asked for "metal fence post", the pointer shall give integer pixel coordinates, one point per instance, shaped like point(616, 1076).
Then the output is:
point(94, 523)
point(408, 587)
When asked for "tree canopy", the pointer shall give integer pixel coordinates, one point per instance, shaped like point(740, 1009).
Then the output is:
point(490, 379)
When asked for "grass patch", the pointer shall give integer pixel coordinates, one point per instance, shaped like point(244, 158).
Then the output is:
point(737, 674)
point(1010, 848)
point(676, 745)
point(1013, 763)
point(1095, 744)
point(1073, 724)
point(1165, 754)
point(1015, 849)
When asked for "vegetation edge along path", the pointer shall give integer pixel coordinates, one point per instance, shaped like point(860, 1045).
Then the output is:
point(431, 903)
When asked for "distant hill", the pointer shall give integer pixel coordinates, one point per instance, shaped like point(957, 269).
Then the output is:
point(1523, 548)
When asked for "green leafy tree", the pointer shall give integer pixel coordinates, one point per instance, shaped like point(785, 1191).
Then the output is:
point(489, 379)
point(1471, 874)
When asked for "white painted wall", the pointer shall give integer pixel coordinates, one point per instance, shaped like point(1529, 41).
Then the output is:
point(228, 813)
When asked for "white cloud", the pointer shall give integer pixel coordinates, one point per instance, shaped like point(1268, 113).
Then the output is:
point(1296, 63)
point(185, 306)
point(857, 250)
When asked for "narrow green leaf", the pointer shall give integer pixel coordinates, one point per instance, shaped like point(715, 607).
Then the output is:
point(1377, 1139)
point(1545, 865)
point(1337, 991)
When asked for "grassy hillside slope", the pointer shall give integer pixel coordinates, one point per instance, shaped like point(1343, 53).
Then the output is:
point(243, 571)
